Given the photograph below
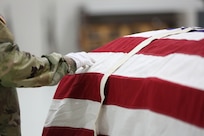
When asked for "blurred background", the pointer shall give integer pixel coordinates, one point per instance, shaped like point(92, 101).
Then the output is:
point(63, 26)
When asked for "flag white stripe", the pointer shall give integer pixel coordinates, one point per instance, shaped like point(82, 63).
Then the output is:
point(178, 68)
point(187, 36)
point(68, 112)
point(131, 122)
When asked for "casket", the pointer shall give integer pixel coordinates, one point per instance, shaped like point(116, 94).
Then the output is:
point(143, 84)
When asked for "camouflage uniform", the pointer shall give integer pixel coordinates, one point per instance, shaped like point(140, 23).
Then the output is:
point(21, 69)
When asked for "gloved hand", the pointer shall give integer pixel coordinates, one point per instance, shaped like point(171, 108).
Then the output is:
point(82, 59)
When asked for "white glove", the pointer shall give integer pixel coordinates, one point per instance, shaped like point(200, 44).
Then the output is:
point(82, 59)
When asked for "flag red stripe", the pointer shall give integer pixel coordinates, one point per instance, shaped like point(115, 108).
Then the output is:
point(161, 96)
point(80, 86)
point(124, 44)
point(171, 99)
point(160, 47)
point(66, 131)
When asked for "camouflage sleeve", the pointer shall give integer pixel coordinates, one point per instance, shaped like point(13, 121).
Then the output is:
point(21, 69)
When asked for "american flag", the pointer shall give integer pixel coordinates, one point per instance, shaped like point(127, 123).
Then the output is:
point(156, 91)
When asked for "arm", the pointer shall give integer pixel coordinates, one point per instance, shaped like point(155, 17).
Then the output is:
point(21, 69)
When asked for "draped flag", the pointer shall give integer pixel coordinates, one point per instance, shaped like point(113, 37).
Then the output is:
point(158, 90)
